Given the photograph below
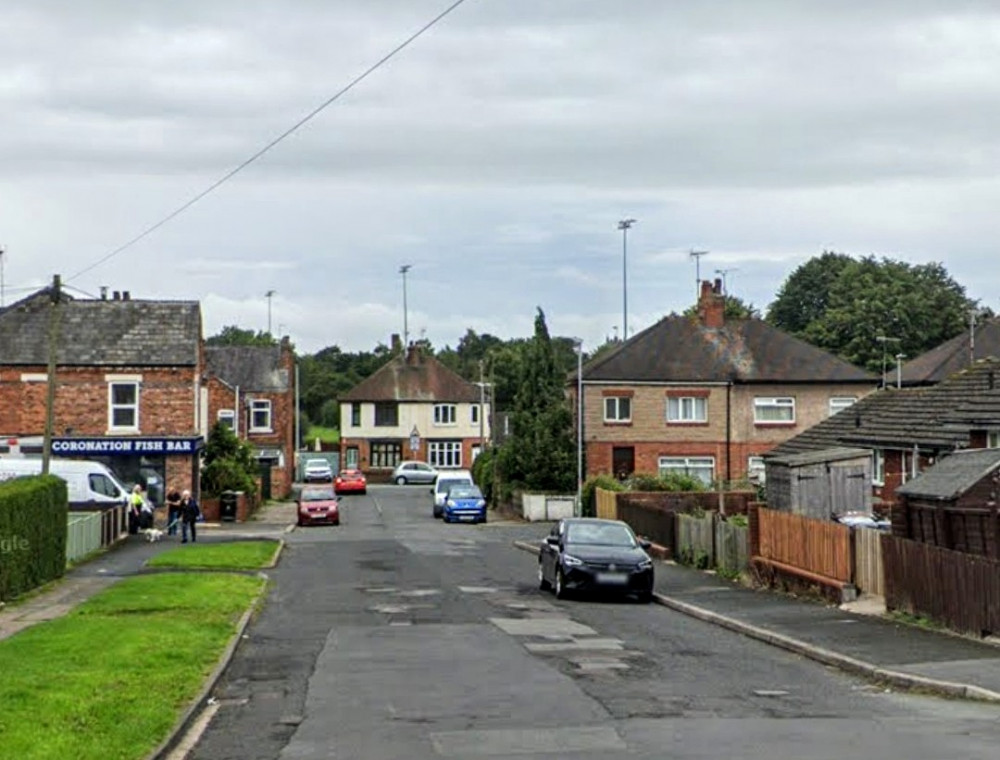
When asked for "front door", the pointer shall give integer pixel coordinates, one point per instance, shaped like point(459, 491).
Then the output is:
point(351, 458)
point(623, 461)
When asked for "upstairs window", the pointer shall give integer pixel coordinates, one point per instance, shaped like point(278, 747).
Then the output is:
point(445, 414)
point(386, 414)
point(474, 414)
point(260, 415)
point(123, 406)
point(617, 409)
point(775, 411)
point(687, 409)
point(355, 414)
point(840, 403)
point(878, 467)
point(227, 417)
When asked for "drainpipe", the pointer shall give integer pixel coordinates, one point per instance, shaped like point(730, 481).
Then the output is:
point(729, 431)
point(237, 413)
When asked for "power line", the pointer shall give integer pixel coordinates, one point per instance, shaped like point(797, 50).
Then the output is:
point(287, 133)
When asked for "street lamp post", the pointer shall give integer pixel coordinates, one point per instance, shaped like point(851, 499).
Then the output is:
point(579, 427)
point(406, 325)
point(624, 225)
point(269, 295)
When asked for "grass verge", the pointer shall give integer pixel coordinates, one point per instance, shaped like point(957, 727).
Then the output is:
point(325, 434)
point(109, 680)
point(233, 555)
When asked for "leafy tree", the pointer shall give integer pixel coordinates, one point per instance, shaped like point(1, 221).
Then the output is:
point(540, 454)
point(228, 463)
point(231, 335)
point(805, 295)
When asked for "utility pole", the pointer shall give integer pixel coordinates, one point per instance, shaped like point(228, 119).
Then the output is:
point(2, 283)
point(578, 511)
point(482, 408)
point(884, 339)
point(696, 255)
point(406, 326)
point(50, 389)
point(899, 370)
point(624, 225)
point(268, 295)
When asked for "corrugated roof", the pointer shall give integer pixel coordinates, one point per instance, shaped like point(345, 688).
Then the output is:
point(250, 368)
point(954, 355)
point(102, 332)
point(953, 475)
point(682, 349)
point(415, 377)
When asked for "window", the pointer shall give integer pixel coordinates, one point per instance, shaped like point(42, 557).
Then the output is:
point(102, 484)
point(444, 414)
point(687, 409)
point(755, 469)
point(774, 410)
point(351, 458)
point(386, 453)
point(444, 453)
point(123, 406)
point(386, 414)
point(878, 467)
point(227, 417)
point(617, 409)
point(474, 414)
point(476, 451)
point(702, 468)
point(993, 440)
point(260, 415)
point(355, 414)
point(839, 403)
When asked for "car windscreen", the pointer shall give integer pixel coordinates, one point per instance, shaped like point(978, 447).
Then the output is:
point(350, 475)
point(598, 534)
point(444, 485)
point(317, 494)
point(464, 492)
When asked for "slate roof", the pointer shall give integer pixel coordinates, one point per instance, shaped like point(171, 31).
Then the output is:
point(901, 418)
point(415, 377)
point(953, 475)
point(680, 348)
point(113, 333)
point(953, 355)
point(249, 368)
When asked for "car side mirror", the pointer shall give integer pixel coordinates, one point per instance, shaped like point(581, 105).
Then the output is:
point(552, 540)
point(644, 544)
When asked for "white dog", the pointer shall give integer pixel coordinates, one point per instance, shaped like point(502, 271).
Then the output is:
point(152, 534)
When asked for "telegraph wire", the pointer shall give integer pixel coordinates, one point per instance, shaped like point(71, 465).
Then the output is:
point(287, 133)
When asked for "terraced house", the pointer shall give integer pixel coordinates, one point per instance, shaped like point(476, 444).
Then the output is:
point(708, 396)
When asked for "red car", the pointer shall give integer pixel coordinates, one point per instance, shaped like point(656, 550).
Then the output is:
point(318, 505)
point(351, 481)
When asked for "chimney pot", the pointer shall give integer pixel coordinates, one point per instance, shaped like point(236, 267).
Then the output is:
point(126, 296)
point(104, 292)
point(116, 295)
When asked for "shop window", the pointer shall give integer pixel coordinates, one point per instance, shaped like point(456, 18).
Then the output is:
point(123, 406)
point(444, 453)
point(260, 415)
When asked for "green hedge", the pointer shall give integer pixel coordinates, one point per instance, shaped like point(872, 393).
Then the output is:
point(33, 514)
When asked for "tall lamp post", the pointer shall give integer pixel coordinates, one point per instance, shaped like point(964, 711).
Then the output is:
point(406, 325)
point(624, 225)
point(269, 295)
point(579, 427)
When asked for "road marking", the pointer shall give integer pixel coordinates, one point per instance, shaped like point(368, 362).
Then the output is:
point(477, 589)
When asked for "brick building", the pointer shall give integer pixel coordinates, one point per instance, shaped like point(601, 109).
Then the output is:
point(708, 396)
point(252, 389)
point(128, 379)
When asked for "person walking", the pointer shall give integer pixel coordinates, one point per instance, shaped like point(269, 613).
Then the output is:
point(190, 512)
point(173, 511)
point(135, 505)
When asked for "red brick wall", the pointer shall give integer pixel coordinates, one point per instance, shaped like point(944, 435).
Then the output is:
point(599, 456)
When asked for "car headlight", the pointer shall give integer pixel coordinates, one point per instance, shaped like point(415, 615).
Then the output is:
point(646, 564)
point(450, 504)
point(571, 561)
point(480, 504)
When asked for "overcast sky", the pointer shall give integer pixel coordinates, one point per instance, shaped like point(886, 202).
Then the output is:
point(495, 155)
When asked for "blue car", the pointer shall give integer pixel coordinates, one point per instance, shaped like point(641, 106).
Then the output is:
point(464, 503)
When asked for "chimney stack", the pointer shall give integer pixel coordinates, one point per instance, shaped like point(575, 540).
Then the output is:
point(396, 344)
point(104, 292)
point(712, 304)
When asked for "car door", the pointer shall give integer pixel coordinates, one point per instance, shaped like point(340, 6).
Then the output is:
point(423, 473)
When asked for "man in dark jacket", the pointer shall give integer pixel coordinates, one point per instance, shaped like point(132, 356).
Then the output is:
point(190, 512)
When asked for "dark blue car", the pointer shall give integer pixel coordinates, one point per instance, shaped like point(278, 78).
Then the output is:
point(464, 503)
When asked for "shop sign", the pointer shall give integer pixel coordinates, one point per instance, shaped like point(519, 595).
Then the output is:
point(110, 446)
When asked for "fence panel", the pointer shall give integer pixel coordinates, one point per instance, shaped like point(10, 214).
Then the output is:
point(607, 504)
point(83, 534)
point(696, 539)
point(654, 523)
point(732, 547)
point(961, 591)
point(869, 575)
point(816, 546)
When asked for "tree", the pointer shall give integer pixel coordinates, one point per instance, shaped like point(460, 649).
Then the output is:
point(805, 295)
point(540, 453)
point(231, 335)
point(228, 463)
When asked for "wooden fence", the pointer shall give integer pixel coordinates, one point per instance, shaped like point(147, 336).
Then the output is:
point(961, 591)
point(607, 504)
point(732, 547)
point(816, 548)
point(869, 575)
point(652, 522)
point(696, 539)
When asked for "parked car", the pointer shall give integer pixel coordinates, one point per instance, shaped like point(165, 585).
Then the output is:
point(317, 471)
point(318, 505)
point(413, 472)
point(590, 554)
point(464, 503)
point(446, 479)
point(350, 481)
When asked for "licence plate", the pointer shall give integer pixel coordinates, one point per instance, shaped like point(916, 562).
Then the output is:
point(618, 578)
point(470, 518)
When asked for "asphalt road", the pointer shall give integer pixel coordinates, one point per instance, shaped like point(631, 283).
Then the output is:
point(396, 636)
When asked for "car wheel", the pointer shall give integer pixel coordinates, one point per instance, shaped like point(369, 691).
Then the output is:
point(400, 481)
point(542, 583)
point(299, 523)
point(483, 520)
point(560, 587)
point(337, 521)
point(645, 597)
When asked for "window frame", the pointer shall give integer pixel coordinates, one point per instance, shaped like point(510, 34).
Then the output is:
point(355, 414)
point(445, 415)
point(662, 468)
point(760, 470)
point(773, 402)
point(474, 414)
point(836, 404)
point(444, 454)
point(878, 467)
point(385, 454)
point(617, 401)
point(114, 407)
point(387, 414)
point(227, 417)
point(693, 401)
point(993, 439)
point(261, 406)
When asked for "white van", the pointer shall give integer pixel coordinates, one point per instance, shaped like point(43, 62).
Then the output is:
point(88, 483)
point(445, 480)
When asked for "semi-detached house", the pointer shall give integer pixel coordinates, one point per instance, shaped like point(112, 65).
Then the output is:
point(708, 396)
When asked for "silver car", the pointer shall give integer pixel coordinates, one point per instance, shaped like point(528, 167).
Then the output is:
point(413, 472)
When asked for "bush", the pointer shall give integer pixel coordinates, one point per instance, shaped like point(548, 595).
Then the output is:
point(33, 512)
point(229, 464)
point(588, 496)
point(672, 481)
point(482, 473)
